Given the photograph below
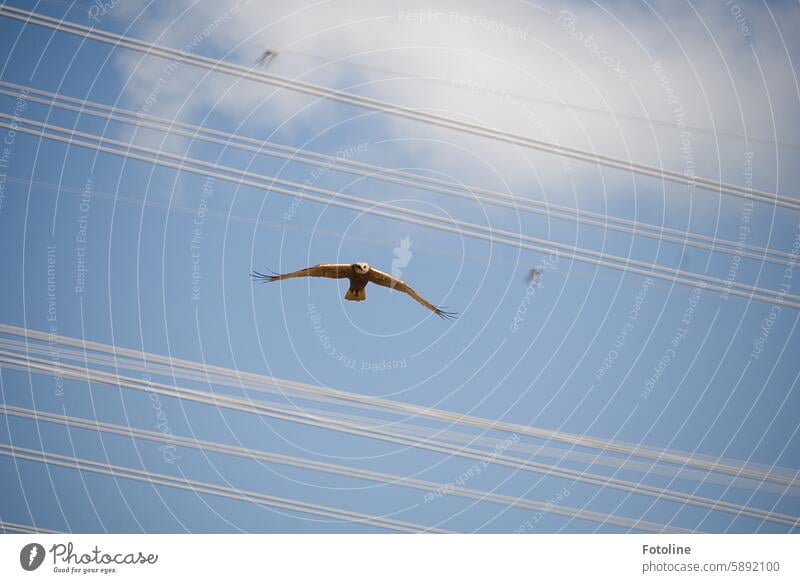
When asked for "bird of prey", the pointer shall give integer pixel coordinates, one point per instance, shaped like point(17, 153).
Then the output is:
point(359, 274)
point(265, 58)
point(534, 274)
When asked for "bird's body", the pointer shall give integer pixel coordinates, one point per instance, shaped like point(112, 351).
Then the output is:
point(357, 291)
point(360, 274)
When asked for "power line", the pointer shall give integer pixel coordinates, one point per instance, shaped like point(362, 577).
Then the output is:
point(390, 479)
point(155, 479)
point(283, 385)
point(417, 431)
point(172, 207)
point(178, 56)
point(769, 290)
point(263, 409)
point(467, 85)
point(13, 527)
point(414, 180)
point(422, 218)
point(452, 83)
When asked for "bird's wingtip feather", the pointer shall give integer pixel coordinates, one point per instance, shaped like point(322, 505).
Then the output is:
point(445, 315)
point(263, 278)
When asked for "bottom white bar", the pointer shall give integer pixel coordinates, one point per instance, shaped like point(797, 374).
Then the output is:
point(397, 558)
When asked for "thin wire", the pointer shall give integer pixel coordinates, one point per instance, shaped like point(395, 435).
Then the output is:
point(418, 431)
point(776, 195)
point(635, 450)
point(706, 476)
point(196, 487)
point(452, 225)
point(25, 528)
point(262, 409)
point(436, 185)
point(404, 76)
point(152, 49)
point(390, 479)
point(172, 207)
point(397, 75)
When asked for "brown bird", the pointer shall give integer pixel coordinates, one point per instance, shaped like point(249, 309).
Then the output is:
point(359, 274)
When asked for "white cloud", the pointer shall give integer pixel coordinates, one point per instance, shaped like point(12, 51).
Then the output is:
point(568, 52)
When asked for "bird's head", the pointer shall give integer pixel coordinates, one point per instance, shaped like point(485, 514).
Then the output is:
point(361, 268)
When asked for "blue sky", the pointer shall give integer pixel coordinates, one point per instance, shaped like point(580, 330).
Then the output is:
point(715, 397)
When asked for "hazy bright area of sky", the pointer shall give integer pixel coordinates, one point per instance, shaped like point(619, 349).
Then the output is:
point(510, 65)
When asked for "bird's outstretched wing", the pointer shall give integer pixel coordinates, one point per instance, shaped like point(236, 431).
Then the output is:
point(333, 270)
point(386, 280)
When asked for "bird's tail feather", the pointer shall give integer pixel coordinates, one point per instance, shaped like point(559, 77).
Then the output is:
point(356, 295)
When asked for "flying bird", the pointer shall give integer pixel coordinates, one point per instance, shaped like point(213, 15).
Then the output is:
point(265, 58)
point(534, 274)
point(359, 274)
